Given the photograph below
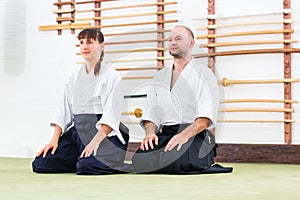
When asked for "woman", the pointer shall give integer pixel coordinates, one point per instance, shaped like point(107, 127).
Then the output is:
point(88, 136)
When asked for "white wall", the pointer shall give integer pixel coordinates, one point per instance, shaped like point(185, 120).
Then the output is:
point(34, 66)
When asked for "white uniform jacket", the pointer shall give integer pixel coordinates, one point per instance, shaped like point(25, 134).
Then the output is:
point(107, 100)
point(195, 94)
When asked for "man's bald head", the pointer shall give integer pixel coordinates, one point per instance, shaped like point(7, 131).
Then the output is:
point(188, 30)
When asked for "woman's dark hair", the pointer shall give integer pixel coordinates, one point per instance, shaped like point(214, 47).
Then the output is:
point(95, 34)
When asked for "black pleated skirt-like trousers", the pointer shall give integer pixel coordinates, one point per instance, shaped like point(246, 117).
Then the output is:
point(108, 160)
point(194, 157)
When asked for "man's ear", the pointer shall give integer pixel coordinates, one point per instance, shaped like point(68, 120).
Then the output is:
point(192, 43)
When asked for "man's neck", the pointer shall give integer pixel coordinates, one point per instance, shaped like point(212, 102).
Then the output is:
point(180, 63)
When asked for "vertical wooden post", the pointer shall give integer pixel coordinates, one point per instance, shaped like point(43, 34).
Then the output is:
point(73, 15)
point(160, 34)
point(97, 14)
point(211, 59)
point(287, 74)
point(211, 11)
point(59, 6)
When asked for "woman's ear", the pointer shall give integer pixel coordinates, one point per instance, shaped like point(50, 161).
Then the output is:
point(102, 46)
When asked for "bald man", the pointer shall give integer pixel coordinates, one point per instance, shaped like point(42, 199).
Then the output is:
point(182, 104)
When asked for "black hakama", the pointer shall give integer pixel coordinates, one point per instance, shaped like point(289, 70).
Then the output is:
point(108, 160)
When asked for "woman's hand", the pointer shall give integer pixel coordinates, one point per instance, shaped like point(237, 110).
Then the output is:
point(51, 145)
point(92, 147)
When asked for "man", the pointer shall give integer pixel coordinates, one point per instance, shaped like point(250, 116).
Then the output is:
point(182, 103)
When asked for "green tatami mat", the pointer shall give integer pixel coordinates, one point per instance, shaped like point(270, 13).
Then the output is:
point(248, 181)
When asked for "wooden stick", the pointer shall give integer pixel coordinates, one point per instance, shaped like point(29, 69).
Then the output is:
point(62, 19)
point(138, 68)
point(136, 41)
point(60, 11)
point(133, 60)
point(132, 50)
point(256, 110)
point(220, 17)
point(237, 120)
point(258, 101)
point(136, 77)
point(246, 33)
point(136, 32)
point(225, 82)
point(136, 50)
point(128, 15)
point(127, 6)
point(135, 96)
point(214, 26)
point(137, 24)
point(95, 1)
point(247, 43)
point(248, 51)
point(64, 26)
point(258, 120)
point(137, 112)
point(141, 59)
point(130, 122)
point(63, 3)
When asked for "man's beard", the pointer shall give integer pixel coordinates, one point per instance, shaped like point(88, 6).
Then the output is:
point(176, 55)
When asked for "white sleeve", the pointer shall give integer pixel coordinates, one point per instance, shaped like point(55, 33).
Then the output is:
point(208, 97)
point(150, 112)
point(111, 99)
point(64, 115)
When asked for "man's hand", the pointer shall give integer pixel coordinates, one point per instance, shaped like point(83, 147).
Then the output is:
point(148, 141)
point(179, 140)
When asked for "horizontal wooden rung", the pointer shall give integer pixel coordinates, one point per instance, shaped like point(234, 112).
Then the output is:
point(140, 60)
point(258, 32)
point(248, 51)
point(236, 120)
point(94, 1)
point(215, 26)
point(258, 101)
point(247, 43)
point(287, 110)
point(64, 3)
point(137, 24)
point(136, 77)
point(135, 15)
point(136, 41)
point(136, 50)
point(130, 6)
point(63, 19)
point(60, 11)
point(259, 120)
point(226, 82)
point(137, 32)
point(63, 26)
point(138, 68)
